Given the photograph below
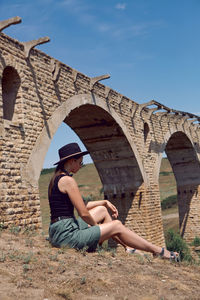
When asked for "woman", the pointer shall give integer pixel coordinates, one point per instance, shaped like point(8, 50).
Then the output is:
point(95, 224)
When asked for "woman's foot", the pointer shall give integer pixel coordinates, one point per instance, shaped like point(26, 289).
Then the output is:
point(166, 254)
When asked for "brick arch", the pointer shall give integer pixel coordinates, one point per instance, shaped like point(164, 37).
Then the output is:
point(91, 114)
point(8, 62)
point(186, 167)
point(185, 164)
point(183, 158)
point(163, 146)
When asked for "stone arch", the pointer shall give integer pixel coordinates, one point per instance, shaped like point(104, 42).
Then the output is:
point(110, 145)
point(67, 112)
point(186, 168)
point(10, 85)
point(183, 158)
point(109, 148)
point(166, 139)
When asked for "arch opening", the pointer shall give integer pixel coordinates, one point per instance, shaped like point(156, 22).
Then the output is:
point(111, 153)
point(10, 86)
point(109, 148)
point(186, 168)
point(114, 165)
point(168, 196)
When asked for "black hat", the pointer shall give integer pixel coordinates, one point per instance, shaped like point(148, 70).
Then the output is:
point(69, 151)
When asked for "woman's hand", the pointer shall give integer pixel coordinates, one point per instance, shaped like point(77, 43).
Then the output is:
point(113, 209)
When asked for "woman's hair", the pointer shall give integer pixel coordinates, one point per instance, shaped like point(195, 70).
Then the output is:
point(59, 169)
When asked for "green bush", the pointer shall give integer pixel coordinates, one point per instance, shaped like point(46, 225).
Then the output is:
point(169, 202)
point(174, 242)
point(196, 242)
point(164, 173)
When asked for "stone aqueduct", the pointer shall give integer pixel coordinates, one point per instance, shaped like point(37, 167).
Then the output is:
point(126, 140)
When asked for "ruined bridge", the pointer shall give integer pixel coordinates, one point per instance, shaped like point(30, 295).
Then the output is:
point(126, 140)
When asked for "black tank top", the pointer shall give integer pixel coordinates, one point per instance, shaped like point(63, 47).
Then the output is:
point(60, 203)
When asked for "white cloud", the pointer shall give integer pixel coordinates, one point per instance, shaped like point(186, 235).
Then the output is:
point(121, 6)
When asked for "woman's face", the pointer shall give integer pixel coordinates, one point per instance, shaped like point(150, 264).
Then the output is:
point(76, 164)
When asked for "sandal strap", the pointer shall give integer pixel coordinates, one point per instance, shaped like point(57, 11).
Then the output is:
point(162, 252)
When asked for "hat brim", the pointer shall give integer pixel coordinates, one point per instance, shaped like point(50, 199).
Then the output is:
point(72, 155)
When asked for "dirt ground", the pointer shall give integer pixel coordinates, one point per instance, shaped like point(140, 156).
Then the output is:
point(31, 269)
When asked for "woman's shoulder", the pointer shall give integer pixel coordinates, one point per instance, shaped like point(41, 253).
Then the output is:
point(66, 179)
point(67, 183)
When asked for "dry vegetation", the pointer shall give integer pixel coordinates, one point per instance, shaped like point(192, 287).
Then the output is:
point(31, 269)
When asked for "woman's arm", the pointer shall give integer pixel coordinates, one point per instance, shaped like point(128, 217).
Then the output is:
point(106, 203)
point(92, 204)
point(69, 186)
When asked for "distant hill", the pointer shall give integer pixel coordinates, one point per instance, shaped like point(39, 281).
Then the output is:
point(47, 171)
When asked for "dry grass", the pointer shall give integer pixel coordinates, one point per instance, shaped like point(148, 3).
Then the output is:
point(31, 269)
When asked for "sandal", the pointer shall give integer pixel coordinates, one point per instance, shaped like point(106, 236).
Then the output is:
point(173, 255)
point(130, 251)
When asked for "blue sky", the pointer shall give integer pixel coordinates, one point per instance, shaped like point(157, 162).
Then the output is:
point(151, 48)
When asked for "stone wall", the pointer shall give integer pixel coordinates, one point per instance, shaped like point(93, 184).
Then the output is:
point(126, 141)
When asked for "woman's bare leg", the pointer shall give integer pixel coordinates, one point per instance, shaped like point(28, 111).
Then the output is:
point(101, 215)
point(129, 238)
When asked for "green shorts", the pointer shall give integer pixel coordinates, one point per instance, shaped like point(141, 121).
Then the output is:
point(74, 233)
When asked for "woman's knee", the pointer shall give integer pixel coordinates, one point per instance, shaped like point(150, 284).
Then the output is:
point(105, 214)
point(110, 229)
point(100, 213)
point(102, 210)
point(117, 224)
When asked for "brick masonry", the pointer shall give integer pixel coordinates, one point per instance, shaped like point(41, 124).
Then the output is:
point(126, 141)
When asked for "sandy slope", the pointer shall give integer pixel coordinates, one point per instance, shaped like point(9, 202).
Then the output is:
point(31, 269)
